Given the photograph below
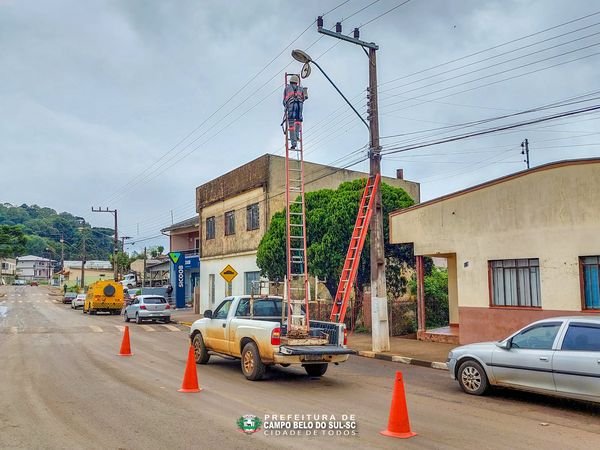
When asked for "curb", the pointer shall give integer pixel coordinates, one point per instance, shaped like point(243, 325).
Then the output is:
point(383, 356)
point(403, 359)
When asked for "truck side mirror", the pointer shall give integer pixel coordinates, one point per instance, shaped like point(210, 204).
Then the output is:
point(208, 314)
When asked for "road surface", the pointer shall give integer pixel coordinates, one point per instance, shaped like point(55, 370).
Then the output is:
point(62, 386)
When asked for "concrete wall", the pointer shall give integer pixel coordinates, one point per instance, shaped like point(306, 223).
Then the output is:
point(243, 240)
point(240, 262)
point(183, 239)
point(551, 213)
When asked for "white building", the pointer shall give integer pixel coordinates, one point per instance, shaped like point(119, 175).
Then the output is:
point(8, 270)
point(34, 268)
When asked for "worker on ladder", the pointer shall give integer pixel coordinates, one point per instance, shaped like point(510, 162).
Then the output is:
point(293, 100)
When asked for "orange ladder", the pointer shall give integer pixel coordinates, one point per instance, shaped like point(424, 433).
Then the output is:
point(361, 227)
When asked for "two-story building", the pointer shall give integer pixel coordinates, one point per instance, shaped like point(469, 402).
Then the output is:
point(184, 238)
point(95, 270)
point(8, 270)
point(34, 268)
point(235, 209)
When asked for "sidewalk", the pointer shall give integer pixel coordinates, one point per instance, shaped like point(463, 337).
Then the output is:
point(402, 350)
point(406, 351)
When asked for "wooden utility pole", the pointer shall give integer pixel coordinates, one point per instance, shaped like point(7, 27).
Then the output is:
point(84, 257)
point(144, 274)
point(525, 151)
point(379, 313)
point(116, 238)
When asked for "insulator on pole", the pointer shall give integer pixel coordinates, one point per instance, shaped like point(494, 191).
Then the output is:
point(338, 27)
point(320, 22)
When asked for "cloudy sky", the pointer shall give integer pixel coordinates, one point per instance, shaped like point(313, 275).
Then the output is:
point(130, 104)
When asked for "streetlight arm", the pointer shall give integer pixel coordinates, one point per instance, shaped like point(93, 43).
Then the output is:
point(340, 92)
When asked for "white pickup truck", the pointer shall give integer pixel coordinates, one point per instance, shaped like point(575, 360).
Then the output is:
point(250, 328)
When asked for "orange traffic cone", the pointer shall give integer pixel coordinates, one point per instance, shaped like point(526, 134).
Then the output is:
point(190, 378)
point(125, 345)
point(398, 423)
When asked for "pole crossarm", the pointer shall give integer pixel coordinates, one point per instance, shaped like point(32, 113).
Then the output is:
point(343, 37)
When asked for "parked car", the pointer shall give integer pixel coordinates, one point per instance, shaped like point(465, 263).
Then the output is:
point(69, 296)
point(34, 283)
point(148, 307)
point(559, 356)
point(19, 283)
point(78, 301)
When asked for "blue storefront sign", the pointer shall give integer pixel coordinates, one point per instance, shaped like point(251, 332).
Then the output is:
point(178, 260)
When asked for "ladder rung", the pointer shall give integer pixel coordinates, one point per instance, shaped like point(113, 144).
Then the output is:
point(296, 225)
point(300, 249)
point(297, 237)
point(295, 214)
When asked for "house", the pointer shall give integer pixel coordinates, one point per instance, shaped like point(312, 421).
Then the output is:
point(95, 270)
point(157, 270)
point(519, 248)
point(235, 209)
point(8, 270)
point(34, 268)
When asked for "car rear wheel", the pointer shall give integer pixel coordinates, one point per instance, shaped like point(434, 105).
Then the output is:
point(316, 370)
point(252, 367)
point(472, 378)
point(201, 355)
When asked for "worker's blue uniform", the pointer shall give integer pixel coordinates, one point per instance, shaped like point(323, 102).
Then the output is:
point(293, 99)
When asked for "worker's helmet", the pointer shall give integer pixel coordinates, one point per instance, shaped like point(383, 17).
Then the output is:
point(294, 79)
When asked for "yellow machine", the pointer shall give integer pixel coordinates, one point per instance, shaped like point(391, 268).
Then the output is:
point(104, 296)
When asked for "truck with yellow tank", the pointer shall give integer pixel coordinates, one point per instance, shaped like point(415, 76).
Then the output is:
point(104, 296)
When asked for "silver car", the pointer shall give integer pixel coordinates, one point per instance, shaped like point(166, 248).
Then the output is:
point(148, 307)
point(559, 356)
point(78, 301)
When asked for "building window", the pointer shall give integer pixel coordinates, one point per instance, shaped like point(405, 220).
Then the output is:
point(197, 245)
point(250, 282)
point(252, 218)
point(516, 282)
point(211, 288)
point(229, 223)
point(591, 281)
point(210, 228)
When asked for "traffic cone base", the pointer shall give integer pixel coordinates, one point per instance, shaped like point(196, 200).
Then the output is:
point(125, 344)
point(398, 424)
point(190, 377)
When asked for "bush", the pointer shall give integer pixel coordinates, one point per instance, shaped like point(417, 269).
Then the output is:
point(436, 297)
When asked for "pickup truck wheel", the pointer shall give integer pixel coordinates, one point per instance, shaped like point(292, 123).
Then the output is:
point(252, 367)
point(316, 370)
point(200, 353)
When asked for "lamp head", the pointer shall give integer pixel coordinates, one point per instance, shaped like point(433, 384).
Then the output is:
point(301, 56)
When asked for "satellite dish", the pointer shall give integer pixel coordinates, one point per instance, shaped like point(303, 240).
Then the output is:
point(305, 70)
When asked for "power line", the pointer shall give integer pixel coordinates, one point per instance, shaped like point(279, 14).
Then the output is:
point(383, 14)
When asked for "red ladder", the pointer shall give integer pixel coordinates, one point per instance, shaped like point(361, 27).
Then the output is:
point(361, 226)
point(297, 266)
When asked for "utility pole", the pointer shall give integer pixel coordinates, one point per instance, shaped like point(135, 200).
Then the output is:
point(144, 274)
point(62, 252)
point(84, 256)
point(123, 249)
point(525, 151)
point(116, 238)
point(379, 314)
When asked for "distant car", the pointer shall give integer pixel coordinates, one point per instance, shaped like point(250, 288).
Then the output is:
point(78, 301)
point(559, 356)
point(19, 283)
point(34, 283)
point(148, 307)
point(69, 296)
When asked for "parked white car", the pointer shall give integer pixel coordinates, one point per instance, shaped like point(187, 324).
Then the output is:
point(78, 301)
point(148, 307)
point(559, 356)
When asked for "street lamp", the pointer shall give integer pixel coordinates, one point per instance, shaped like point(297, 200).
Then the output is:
point(304, 58)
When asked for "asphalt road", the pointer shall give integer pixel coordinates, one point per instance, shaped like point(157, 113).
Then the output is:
point(62, 386)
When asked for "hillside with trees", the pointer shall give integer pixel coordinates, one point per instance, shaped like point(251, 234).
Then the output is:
point(36, 230)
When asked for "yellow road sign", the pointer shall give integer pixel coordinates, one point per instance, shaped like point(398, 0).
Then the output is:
point(228, 273)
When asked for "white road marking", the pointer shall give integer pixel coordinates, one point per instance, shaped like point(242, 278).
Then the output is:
point(14, 329)
point(171, 327)
point(20, 301)
point(96, 329)
point(119, 327)
point(147, 328)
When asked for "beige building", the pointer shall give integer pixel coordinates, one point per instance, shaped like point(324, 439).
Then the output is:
point(236, 208)
point(95, 270)
point(8, 270)
point(520, 248)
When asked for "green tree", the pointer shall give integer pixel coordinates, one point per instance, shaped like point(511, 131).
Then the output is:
point(13, 241)
point(330, 218)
